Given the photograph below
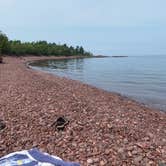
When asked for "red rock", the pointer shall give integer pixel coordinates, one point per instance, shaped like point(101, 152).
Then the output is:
point(90, 161)
point(103, 163)
point(137, 160)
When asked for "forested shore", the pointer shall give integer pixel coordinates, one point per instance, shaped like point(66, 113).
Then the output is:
point(38, 48)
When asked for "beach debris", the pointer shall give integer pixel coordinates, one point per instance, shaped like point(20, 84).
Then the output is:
point(60, 123)
point(2, 124)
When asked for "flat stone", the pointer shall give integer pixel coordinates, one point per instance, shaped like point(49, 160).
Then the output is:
point(102, 163)
point(90, 161)
point(120, 150)
point(107, 151)
point(138, 159)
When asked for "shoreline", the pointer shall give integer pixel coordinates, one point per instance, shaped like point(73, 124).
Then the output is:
point(28, 64)
point(105, 128)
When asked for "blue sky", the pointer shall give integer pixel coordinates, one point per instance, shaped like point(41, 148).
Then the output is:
point(110, 27)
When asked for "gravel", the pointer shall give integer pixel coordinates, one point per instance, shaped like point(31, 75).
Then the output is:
point(104, 128)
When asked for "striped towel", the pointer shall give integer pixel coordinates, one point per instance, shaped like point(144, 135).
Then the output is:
point(33, 157)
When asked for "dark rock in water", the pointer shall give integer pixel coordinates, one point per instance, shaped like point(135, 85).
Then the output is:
point(2, 125)
point(60, 123)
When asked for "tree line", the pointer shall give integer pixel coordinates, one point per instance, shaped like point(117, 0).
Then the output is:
point(38, 48)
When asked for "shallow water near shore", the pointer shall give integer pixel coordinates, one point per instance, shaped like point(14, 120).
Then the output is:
point(142, 78)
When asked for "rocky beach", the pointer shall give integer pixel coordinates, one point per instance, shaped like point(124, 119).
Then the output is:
point(103, 128)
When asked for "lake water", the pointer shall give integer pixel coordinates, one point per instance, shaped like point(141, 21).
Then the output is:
point(142, 78)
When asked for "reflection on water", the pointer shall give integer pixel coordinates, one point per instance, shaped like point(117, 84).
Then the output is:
point(143, 78)
point(72, 64)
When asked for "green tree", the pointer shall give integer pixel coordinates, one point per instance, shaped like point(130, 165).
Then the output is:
point(4, 44)
point(38, 48)
point(81, 50)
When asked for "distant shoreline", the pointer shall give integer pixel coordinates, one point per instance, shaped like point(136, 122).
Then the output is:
point(120, 56)
point(113, 56)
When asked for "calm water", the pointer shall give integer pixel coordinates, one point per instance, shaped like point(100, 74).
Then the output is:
point(142, 78)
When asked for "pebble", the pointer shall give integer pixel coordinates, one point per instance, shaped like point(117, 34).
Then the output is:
point(120, 150)
point(129, 154)
point(90, 161)
point(134, 152)
point(107, 151)
point(150, 135)
point(96, 160)
point(125, 140)
point(138, 159)
point(103, 163)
